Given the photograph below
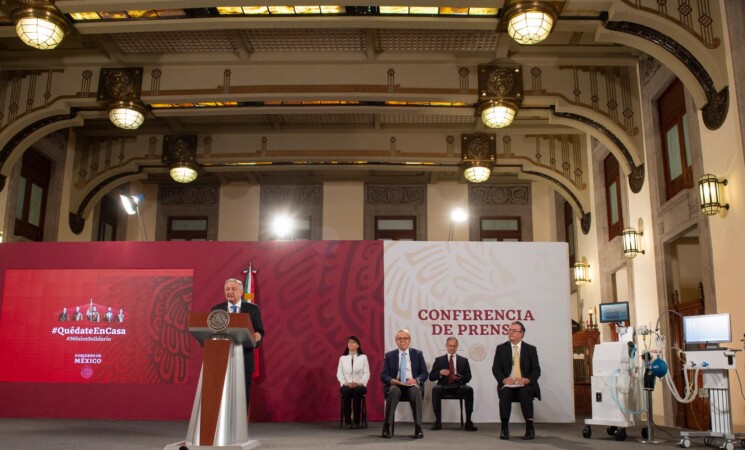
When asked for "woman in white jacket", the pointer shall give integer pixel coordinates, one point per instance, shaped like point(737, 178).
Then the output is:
point(353, 374)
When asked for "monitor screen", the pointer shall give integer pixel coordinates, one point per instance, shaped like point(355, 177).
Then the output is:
point(614, 312)
point(707, 329)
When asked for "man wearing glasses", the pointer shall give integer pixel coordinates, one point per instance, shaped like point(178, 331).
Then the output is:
point(517, 371)
point(404, 374)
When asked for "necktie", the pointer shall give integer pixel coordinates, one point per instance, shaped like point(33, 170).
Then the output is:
point(451, 377)
point(402, 376)
point(234, 309)
point(516, 373)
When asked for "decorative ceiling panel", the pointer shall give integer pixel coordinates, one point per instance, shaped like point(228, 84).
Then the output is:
point(426, 118)
point(246, 119)
point(305, 40)
point(398, 40)
point(327, 119)
point(176, 42)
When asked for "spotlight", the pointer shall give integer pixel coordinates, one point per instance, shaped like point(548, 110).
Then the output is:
point(283, 226)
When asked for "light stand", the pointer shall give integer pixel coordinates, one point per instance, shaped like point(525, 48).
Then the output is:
point(131, 204)
point(456, 215)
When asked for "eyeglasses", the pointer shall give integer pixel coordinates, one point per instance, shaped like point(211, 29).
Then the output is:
point(514, 331)
point(403, 339)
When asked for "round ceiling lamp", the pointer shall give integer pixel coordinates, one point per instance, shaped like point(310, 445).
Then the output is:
point(530, 22)
point(497, 114)
point(477, 171)
point(127, 115)
point(183, 172)
point(40, 28)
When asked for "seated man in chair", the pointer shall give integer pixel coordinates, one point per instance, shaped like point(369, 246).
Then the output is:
point(404, 374)
point(452, 373)
point(517, 371)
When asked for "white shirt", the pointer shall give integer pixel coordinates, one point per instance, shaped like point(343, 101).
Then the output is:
point(359, 374)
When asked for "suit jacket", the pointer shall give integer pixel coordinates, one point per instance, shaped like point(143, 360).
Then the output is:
point(462, 368)
point(390, 368)
point(255, 313)
point(529, 367)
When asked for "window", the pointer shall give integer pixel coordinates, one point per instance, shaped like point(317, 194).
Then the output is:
point(107, 220)
point(33, 187)
point(187, 228)
point(613, 196)
point(500, 229)
point(569, 232)
point(676, 148)
point(301, 229)
point(395, 228)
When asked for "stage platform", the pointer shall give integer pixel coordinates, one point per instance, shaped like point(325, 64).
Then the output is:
point(67, 434)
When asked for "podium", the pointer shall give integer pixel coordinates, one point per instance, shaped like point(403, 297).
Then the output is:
point(219, 416)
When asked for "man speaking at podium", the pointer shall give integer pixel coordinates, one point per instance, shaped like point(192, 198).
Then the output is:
point(233, 295)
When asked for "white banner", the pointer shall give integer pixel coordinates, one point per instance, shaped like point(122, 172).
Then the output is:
point(473, 291)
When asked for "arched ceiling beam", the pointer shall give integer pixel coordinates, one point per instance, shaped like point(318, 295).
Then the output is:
point(690, 60)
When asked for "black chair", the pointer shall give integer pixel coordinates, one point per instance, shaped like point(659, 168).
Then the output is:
point(404, 398)
point(452, 394)
point(363, 411)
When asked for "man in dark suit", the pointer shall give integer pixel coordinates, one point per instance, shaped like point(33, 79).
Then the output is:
point(233, 295)
point(404, 374)
point(517, 381)
point(63, 316)
point(77, 315)
point(452, 373)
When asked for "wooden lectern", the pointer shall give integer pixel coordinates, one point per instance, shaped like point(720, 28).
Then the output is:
point(219, 418)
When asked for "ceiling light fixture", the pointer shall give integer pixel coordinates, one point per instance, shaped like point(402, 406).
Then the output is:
point(127, 115)
point(180, 156)
point(530, 22)
point(478, 156)
point(500, 92)
point(119, 91)
point(39, 25)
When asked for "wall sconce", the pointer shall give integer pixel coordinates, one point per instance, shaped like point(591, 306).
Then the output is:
point(1, 237)
point(581, 272)
point(631, 240)
point(38, 23)
point(180, 156)
point(530, 22)
point(500, 92)
point(119, 91)
point(478, 156)
point(710, 194)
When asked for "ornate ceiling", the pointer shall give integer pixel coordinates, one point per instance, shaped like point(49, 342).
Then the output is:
point(353, 94)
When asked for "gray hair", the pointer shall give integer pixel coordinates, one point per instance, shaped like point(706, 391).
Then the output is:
point(233, 280)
